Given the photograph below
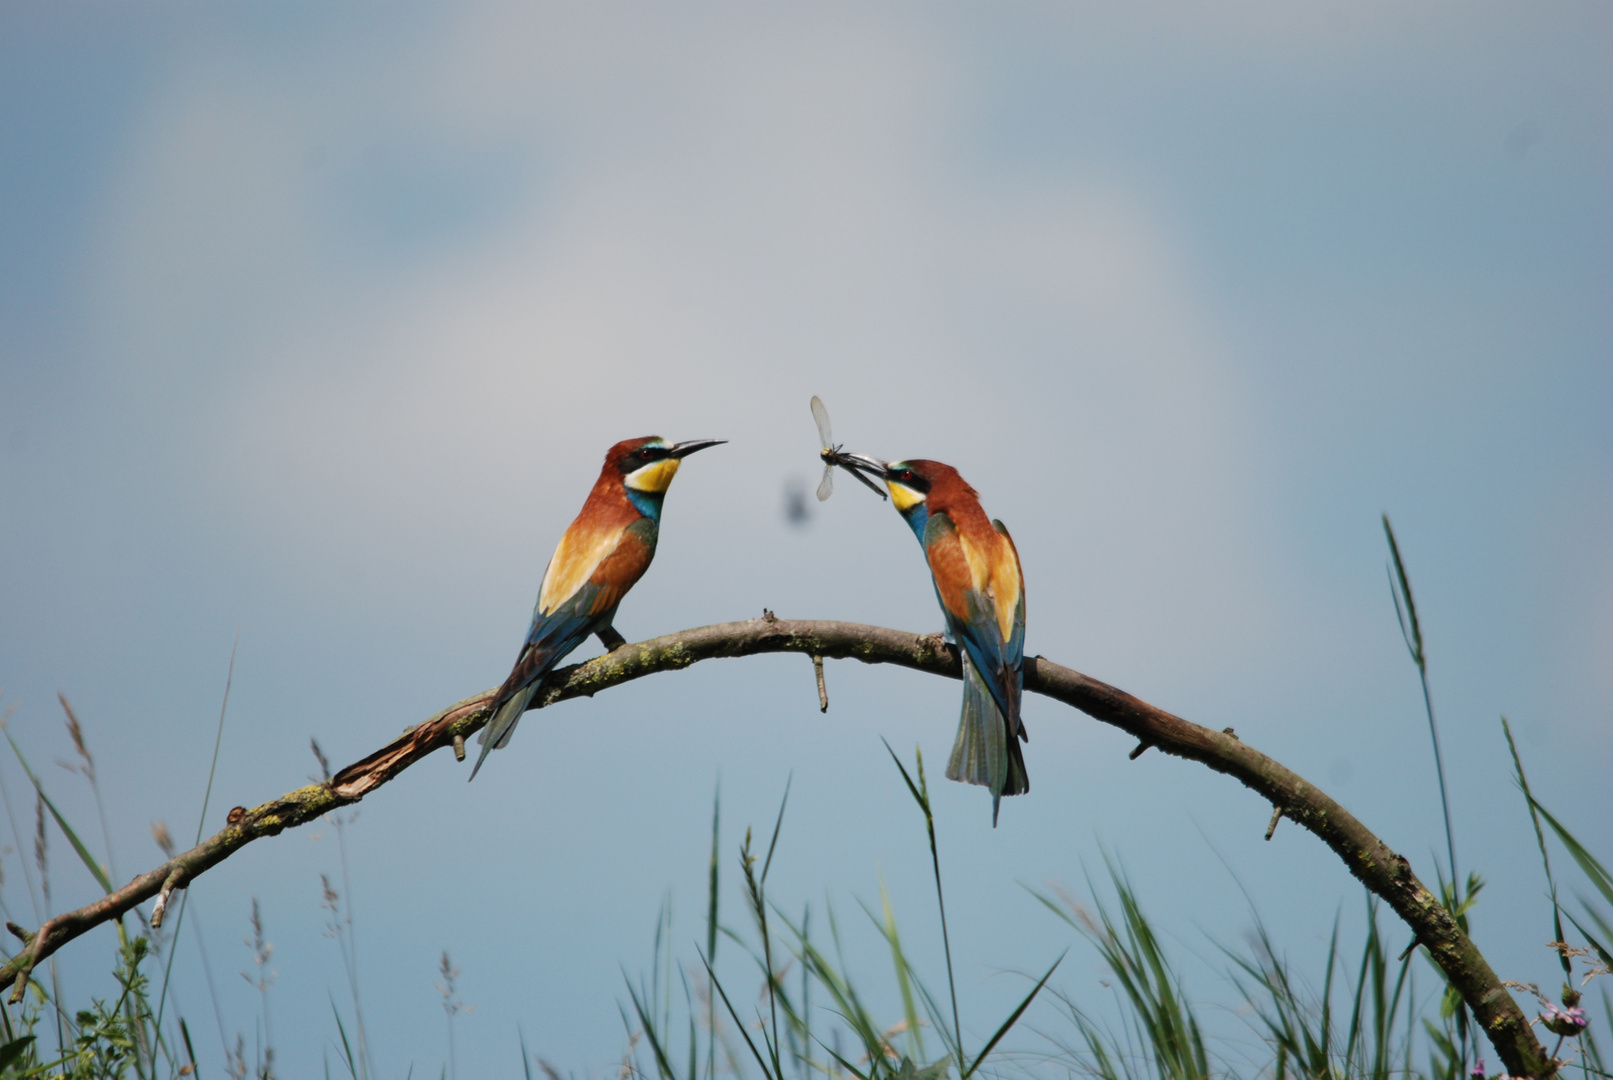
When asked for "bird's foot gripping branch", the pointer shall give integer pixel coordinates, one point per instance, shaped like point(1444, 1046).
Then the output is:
point(1381, 870)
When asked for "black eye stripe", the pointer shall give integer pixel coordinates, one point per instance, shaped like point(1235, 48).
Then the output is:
point(912, 480)
point(643, 457)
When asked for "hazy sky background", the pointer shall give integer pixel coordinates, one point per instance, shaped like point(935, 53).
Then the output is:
point(315, 322)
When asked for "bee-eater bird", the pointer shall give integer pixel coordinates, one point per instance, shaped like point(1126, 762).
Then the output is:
point(981, 587)
point(602, 554)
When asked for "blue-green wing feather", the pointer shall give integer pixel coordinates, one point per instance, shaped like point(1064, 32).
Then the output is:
point(549, 640)
point(993, 680)
point(1000, 662)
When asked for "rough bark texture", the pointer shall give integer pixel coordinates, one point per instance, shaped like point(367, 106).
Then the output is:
point(1383, 871)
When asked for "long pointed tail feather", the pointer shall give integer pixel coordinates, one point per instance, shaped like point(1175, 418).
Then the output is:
point(496, 735)
point(983, 752)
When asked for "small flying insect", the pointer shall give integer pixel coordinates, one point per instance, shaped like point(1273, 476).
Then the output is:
point(832, 456)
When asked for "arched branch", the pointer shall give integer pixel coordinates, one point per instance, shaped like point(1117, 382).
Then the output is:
point(1380, 869)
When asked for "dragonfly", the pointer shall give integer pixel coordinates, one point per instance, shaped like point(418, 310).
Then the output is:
point(832, 455)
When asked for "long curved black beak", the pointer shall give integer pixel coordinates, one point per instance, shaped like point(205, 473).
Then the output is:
point(863, 461)
point(857, 464)
point(684, 449)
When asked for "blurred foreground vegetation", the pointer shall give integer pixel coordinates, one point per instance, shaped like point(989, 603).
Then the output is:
point(1374, 1013)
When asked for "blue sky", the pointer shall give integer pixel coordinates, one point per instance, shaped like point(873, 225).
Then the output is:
point(314, 324)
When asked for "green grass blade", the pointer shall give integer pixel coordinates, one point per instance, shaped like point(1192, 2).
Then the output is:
point(694, 1034)
point(738, 1023)
point(921, 795)
point(847, 1003)
point(923, 803)
point(1013, 1018)
point(647, 1025)
point(1595, 1051)
point(1587, 862)
point(1540, 840)
point(526, 1058)
point(67, 830)
point(201, 821)
point(711, 924)
point(347, 1050)
point(933, 1008)
point(904, 979)
point(848, 1066)
point(190, 1051)
point(778, 823)
point(1601, 950)
point(218, 741)
point(1414, 632)
point(711, 894)
point(1420, 656)
point(1592, 868)
point(12, 1052)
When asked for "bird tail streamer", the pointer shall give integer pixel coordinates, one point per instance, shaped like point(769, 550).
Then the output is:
point(983, 753)
point(496, 735)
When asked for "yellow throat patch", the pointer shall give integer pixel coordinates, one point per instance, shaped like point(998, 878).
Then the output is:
point(903, 496)
point(654, 478)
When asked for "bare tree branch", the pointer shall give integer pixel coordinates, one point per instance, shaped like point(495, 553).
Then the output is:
point(1383, 871)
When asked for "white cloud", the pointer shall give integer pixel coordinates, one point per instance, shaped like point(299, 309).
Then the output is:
point(727, 218)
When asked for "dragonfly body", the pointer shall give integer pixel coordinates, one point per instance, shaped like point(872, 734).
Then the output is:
point(600, 557)
point(833, 455)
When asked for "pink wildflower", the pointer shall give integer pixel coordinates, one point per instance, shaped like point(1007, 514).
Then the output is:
point(1564, 1022)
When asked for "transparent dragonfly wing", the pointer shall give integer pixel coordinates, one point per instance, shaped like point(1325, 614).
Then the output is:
point(821, 415)
point(826, 486)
